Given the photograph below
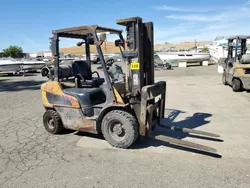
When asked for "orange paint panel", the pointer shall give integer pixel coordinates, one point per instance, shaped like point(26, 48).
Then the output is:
point(52, 87)
point(56, 89)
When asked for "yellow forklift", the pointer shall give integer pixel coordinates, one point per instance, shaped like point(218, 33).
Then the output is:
point(78, 99)
point(237, 64)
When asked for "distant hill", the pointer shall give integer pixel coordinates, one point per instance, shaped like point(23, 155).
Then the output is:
point(183, 45)
point(109, 47)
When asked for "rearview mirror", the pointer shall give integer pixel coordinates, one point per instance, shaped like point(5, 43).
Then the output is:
point(102, 37)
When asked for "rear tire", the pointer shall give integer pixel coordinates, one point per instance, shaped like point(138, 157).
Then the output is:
point(52, 122)
point(120, 129)
point(236, 85)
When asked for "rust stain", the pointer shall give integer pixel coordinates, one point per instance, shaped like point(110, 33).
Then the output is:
point(73, 101)
point(87, 129)
point(85, 125)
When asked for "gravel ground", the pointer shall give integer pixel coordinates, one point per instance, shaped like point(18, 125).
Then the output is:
point(31, 157)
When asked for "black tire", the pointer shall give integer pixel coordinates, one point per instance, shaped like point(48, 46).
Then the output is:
point(236, 85)
point(126, 133)
point(45, 72)
point(52, 122)
point(224, 80)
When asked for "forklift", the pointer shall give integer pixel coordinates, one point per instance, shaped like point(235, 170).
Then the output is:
point(237, 64)
point(123, 112)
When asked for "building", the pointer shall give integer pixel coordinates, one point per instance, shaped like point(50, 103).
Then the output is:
point(41, 54)
point(47, 54)
point(32, 55)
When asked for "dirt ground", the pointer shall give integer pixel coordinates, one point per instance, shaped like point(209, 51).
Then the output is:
point(196, 98)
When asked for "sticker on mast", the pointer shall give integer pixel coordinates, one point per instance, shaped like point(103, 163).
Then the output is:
point(135, 79)
point(135, 66)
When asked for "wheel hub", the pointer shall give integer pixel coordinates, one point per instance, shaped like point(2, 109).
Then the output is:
point(51, 123)
point(117, 129)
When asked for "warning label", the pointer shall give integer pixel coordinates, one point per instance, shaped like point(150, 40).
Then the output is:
point(135, 66)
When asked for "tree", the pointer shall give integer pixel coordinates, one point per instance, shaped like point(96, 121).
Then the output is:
point(13, 51)
point(205, 50)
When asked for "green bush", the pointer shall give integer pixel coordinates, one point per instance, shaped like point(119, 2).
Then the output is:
point(205, 50)
point(13, 51)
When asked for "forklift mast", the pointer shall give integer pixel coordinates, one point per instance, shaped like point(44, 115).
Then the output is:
point(140, 84)
point(139, 56)
point(139, 53)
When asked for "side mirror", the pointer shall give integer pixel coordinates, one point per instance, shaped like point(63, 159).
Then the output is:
point(102, 37)
point(118, 42)
point(79, 43)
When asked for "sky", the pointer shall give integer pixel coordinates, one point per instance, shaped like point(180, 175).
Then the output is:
point(29, 23)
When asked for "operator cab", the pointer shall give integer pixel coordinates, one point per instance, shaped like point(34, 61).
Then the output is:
point(82, 85)
point(237, 50)
point(87, 88)
point(77, 79)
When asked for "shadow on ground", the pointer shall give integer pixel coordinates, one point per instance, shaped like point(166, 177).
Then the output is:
point(13, 86)
point(10, 75)
point(192, 122)
point(196, 120)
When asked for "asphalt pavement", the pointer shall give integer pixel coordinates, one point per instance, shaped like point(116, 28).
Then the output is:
point(196, 99)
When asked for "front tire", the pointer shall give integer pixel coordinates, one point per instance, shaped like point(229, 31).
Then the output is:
point(120, 129)
point(236, 85)
point(52, 122)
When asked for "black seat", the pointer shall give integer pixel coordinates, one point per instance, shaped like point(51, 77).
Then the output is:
point(88, 98)
point(84, 77)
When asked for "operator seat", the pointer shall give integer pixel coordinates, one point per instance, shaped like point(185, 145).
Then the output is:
point(83, 75)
